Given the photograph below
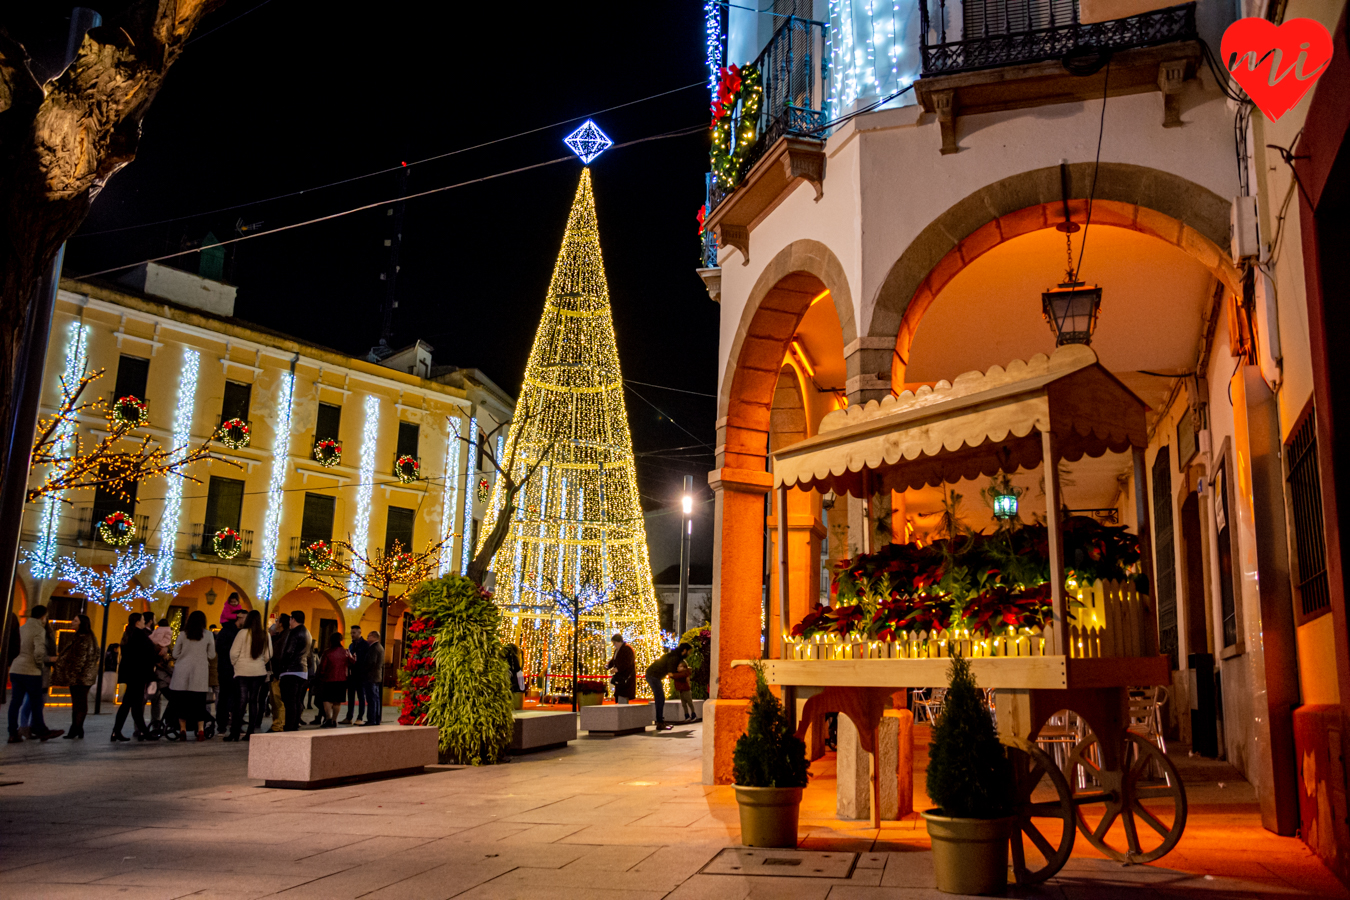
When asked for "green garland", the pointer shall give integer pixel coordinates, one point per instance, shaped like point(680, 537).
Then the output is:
point(738, 86)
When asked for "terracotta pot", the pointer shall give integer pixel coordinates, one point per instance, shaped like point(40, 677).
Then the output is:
point(769, 815)
point(970, 856)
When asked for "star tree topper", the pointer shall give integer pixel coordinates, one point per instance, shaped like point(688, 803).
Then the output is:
point(588, 141)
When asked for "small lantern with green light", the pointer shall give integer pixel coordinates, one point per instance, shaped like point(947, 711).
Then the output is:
point(1005, 505)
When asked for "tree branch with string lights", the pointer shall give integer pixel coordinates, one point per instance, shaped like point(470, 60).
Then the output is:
point(105, 583)
point(356, 575)
point(107, 464)
point(511, 484)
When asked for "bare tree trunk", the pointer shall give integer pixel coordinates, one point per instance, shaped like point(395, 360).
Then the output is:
point(59, 144)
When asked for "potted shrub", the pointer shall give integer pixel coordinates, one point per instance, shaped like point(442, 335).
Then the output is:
point(591, 693)
point(970, 780)
point(770, 770)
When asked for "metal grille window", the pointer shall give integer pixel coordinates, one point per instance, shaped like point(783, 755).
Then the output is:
point(1166, 562)
point(989, 18)
point(1223, 522)
point(1305, 500)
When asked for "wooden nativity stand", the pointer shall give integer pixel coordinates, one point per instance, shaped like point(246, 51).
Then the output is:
point(1114, 788)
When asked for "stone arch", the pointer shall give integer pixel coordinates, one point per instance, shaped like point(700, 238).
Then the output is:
point(1149, 201)
point(781, 295)
point(788, 421)
point(315, 604)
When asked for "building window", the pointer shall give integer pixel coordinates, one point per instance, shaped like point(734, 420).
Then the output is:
point(317, 522)
point(991, 18)
point(399, 528)
point(327, 424)
point(408, 433)
point(108, 501)
point(1165, 566)
point(1305, 500)
point(1223, 519)
point(236, 401)
point(224, 504)
point(132, 374)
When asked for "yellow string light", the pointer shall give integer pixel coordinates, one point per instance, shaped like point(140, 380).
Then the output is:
point(578, 519)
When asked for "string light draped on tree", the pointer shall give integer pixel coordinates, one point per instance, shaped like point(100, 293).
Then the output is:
point(578, 521)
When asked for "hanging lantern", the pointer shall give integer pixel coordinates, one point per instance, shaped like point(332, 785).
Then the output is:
point(1005, 505)
point(1071, 309)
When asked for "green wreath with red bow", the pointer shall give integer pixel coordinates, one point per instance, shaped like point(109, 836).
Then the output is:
point(743, 86)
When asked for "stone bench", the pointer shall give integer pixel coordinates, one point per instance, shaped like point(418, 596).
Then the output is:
point(628, 718)
point(537, 729)
point(675, 711)
point(323, 757)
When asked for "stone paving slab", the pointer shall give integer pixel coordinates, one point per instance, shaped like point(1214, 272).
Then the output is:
point(603, 819)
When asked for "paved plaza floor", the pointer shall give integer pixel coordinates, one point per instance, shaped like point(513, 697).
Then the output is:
point(609, 818)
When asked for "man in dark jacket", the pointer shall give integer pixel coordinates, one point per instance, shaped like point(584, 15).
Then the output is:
point(356, 689)
point(624, 665)
point(372, 671)
point(280, 628)
point(227, 693)
point(136, 669)
point(657, 673)
point(294, 668)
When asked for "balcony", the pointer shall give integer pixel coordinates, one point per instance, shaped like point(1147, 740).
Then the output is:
point(87, 529)
point(296, 558)
point(789, 135)
point(204, 545)
point(1013, 54)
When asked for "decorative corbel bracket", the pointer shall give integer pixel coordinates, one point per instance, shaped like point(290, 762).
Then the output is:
point(1171, 75)
point(737, 236)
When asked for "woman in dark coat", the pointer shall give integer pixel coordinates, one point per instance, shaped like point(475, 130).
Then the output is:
point(77, 668)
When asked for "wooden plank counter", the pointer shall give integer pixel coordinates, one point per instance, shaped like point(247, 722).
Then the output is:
point(999, 672)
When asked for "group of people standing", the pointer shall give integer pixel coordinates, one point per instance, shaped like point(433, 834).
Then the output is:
point(239, 661)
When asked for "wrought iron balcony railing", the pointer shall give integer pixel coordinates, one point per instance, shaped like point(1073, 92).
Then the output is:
point(204, 543)
point(998, 33)
point(794, 72)
point(297, 558)
point(90, 519)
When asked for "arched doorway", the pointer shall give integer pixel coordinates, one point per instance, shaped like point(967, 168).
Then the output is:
point(786, 369)
point(323, 615)
point(209, 594)
point(1165, 207)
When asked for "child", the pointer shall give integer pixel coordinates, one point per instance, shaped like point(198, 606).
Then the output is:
point(681, 683)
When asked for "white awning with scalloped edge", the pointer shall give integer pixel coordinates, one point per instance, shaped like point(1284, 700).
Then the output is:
point(980, 424)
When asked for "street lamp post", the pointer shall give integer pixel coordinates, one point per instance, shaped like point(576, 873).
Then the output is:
point(686, 533)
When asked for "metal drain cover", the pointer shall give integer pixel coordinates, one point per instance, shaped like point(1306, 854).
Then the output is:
point(781, 863)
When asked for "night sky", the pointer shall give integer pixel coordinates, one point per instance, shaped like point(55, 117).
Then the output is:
point(294, 95)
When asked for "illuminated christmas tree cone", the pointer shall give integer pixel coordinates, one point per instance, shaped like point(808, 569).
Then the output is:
point(578, 520)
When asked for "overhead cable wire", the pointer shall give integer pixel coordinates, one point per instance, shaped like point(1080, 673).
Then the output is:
point(356, 209)
point(198, 37)
point(701, 442)
point(665, 387)
point(389, 169)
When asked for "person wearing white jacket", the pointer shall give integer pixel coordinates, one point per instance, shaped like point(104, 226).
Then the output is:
point(250, 653)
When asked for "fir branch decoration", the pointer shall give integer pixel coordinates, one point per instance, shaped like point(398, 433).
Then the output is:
point(969, 776)
point(768, 754)
point(470, 700)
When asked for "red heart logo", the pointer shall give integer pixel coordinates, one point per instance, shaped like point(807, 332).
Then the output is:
point(1276, 66)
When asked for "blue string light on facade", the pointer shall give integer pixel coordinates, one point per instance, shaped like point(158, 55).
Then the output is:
point(712, 14)
point(471, 470)
point(588, 141)
point(42, 561)
point(370, 429)
point(281, 452)
point(182, 436)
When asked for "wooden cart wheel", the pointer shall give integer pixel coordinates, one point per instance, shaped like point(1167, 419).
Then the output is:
point(1112, 804)
point(1045, 813)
